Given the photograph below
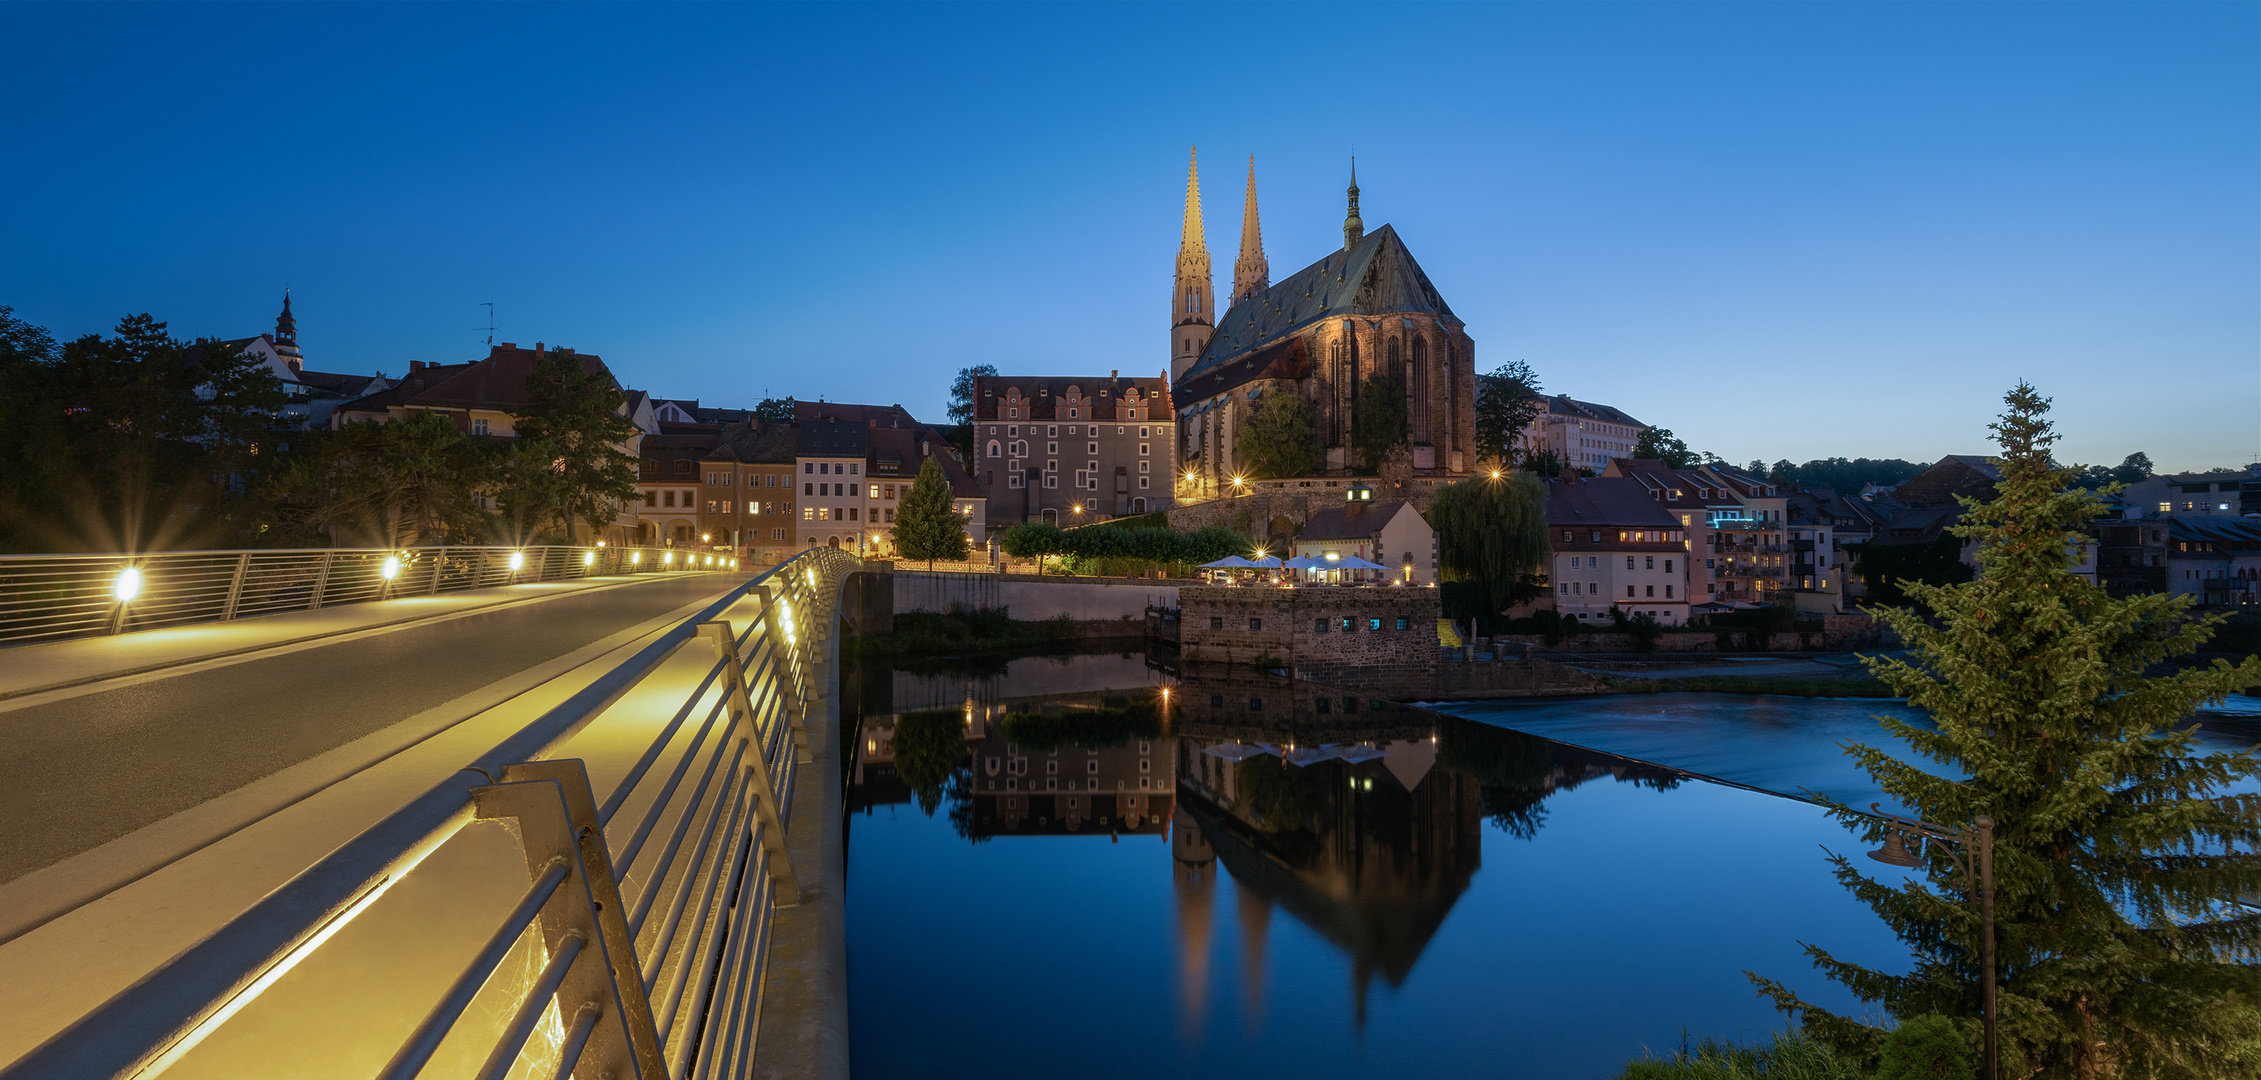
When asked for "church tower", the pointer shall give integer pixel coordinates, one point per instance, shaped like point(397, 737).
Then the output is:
point(1251, 274)
point(286, 336)
point(1192, 303)
point(1353, 230)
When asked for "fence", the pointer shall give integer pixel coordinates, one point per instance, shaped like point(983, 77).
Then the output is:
point(43, 597)
point(638, 944)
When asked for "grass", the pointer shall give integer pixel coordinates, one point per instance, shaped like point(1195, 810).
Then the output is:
point(1789, 1056)
point(983, 632)
point(1759, 684)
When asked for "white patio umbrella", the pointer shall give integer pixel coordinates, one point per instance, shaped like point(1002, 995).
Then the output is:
point(1229, 562)
point(1232, 751)
point(1353, 562)
point(1268, 562)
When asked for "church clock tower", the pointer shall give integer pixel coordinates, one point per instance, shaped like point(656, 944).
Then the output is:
point(1193, 302)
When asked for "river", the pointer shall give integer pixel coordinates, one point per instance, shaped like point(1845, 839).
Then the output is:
point(1088, 867)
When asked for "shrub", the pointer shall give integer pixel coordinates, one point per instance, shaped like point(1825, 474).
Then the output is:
point(1926, 1048)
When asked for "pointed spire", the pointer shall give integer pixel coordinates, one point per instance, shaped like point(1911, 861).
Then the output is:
point(1189, 238)
point(1251, 274)
point(1352, 228)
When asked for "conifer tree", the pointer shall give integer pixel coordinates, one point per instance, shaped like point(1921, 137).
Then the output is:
point(2120, 853)
point(927, 525)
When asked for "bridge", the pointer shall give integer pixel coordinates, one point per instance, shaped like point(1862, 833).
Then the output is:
point(478, 812)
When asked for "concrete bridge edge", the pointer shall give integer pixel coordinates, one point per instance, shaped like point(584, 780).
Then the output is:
point(803, 1029)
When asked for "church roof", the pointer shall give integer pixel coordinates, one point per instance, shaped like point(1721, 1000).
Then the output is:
point(1375, 277)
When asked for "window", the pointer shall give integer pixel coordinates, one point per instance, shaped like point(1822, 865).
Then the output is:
point(1071, 414)
point(777, 534)
point(1668, 566)
point(1052, 448)
point(1404, 623)
point(1629, 592)
point(651, 498)
point(1651, 589)
point(1142, 486)
point(1349, 626)
point(890, 491)
point(851, 513)
point(711, 506)
point(1142, 448)
point(1373, 624)
point(890, 514)
point(1256, 624)
point(479, 426)
point(1012, 414)
point(1629, 562)
point(809, 514)
point(667, 498)
point(1668, 590)
point(1649, 562)
point(1216, 622)
point(1091, 448)
point(1320, 705)
point(1142, 434)
point(1319, 626)
point(875, 491)
point(1053, 431)
point(824, 468)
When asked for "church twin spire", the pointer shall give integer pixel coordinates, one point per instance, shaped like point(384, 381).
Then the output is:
point(1251, 274)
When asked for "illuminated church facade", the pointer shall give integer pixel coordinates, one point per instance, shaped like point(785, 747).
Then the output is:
point(1365, 309)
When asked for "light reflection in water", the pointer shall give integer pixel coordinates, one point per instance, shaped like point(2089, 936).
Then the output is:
point(1413, 890)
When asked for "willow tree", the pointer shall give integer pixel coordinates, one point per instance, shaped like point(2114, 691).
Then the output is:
point(1492, 530)
point(2121, 855)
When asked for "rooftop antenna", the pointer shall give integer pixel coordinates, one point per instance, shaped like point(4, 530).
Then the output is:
point(490, 327)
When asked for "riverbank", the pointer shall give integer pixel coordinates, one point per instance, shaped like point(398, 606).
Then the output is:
point(988, 633)
point(1789, 686)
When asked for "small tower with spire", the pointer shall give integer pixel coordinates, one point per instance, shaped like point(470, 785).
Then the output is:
point(1352, 228)
point(1192, 302)
point(1251, 274)
point(286, 336)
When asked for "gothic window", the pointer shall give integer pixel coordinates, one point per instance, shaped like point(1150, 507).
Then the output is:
point(1419, 389)
point(996, 450)
point(1397, 364)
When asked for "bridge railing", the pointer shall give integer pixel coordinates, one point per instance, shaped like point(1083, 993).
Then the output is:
point(637, 942)
point(44, 597)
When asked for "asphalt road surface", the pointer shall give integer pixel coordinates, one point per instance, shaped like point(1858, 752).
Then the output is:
point(77, 773)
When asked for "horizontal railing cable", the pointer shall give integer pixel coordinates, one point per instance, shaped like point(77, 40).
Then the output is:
point(706, 944)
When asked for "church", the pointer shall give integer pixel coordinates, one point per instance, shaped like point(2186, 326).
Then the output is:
point(1360, 311)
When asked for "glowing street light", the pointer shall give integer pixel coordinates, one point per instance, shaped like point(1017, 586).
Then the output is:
point(704, 537)
point(517, 561)
point(129, 584)
point(667, 559)
point(589, 558)
point(391, 569)
point(635, 558)
point(1495, 474)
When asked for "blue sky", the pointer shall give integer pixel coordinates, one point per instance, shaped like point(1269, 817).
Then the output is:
point(1783, 231)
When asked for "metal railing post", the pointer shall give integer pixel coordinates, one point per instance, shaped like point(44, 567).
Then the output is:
point(235, 587)
point(766, 805)
point(321, 581)
point(557, 817)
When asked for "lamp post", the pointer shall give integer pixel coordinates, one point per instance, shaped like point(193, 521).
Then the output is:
point(1903, 846)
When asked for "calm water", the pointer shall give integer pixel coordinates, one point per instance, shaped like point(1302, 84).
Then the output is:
point(1055, 868)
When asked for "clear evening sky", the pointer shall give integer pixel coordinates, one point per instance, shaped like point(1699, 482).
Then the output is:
point(1783, 231)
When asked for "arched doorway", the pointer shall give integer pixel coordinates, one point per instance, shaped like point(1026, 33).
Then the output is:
point(1051, 516)
point(1281, 534)
point(832, 541)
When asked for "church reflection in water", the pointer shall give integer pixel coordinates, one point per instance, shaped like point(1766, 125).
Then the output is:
point(1359, 818)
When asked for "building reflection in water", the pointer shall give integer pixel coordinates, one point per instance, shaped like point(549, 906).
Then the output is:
point(1359, 818)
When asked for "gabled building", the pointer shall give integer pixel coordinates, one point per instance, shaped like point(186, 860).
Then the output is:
point(668, 485)
point(1363, 310)
point(1390, 532)
point(1614, 546)
point(896, 457)
point(831, 455)
point(1067, 449)
point(749, 485)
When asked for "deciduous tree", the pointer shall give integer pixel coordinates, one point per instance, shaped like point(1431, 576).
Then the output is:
point(1507, 400)
point(1662, 445)
point(579, 414)
point(2123, 850)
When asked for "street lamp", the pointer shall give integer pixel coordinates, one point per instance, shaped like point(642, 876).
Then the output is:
point(517, 561)
point(1903, 846)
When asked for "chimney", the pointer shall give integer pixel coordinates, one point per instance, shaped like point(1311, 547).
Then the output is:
point(537, 347)
point(1114, 373)
point(507, 345)
point(415, 366)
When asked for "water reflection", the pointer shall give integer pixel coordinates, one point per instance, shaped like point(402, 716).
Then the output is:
point(1359, 819)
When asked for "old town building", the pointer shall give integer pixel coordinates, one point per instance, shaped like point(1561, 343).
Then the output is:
point(1616, 547)
point(1323, 333)
point(1065, 449)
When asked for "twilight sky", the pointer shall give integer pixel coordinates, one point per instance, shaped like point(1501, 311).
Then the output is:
point(1783, 231)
